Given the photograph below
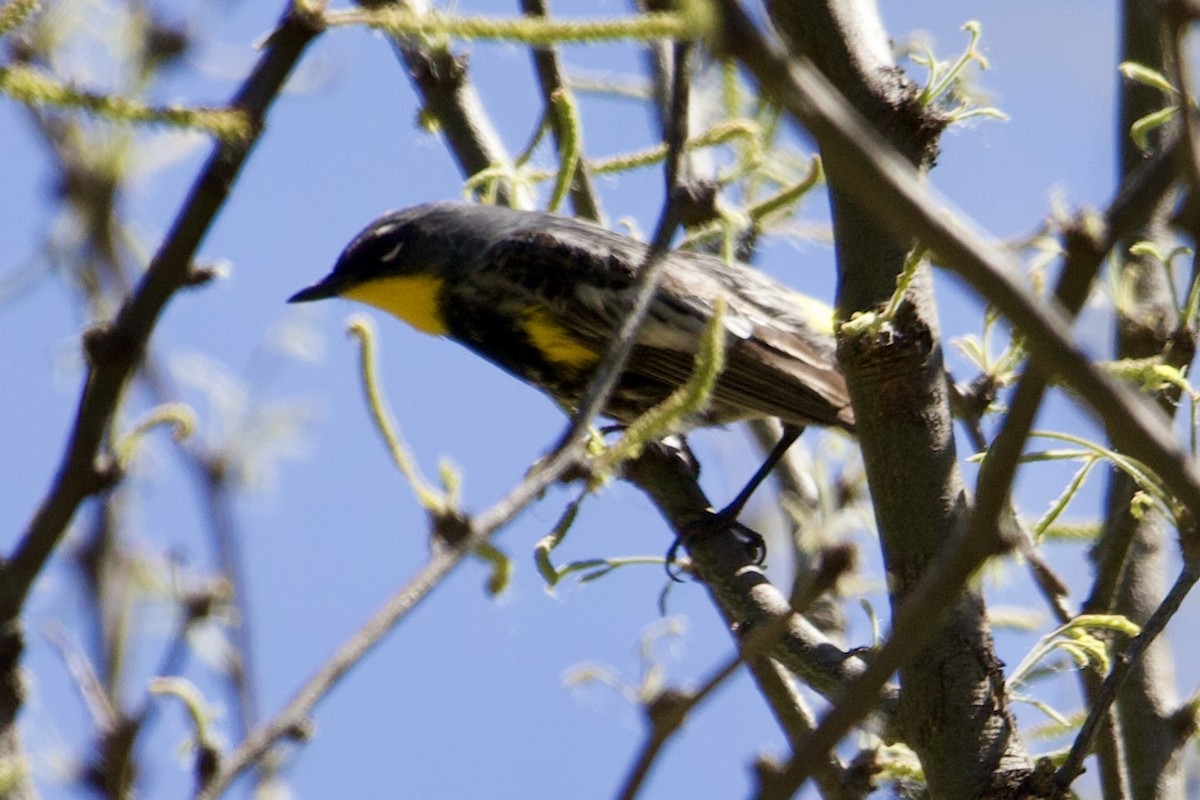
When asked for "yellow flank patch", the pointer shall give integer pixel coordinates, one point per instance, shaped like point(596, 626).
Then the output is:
point(412, 298)
point(554, 342)
point(819, 314)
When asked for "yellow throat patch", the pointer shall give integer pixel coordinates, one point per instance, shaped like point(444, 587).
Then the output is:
point(554, 342)
point(412, 298)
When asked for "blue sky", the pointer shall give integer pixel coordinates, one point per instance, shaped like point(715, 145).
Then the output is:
point(466, 697)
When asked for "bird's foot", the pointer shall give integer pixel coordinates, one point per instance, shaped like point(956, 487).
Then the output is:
point(712, 523)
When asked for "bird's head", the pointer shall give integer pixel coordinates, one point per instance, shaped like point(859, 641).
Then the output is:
point(400, 262)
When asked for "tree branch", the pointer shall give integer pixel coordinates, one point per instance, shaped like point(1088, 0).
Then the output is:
point(115, 350)
point(953, 708)
point(894, 192)
point(736, 583)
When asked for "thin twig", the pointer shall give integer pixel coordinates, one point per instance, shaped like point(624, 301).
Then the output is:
point(550, 79)
point(668, 712)
point(1073, 765)
point(292, 719)
point(1136, 741)
point(223, 525)
point(117, 349)
point(1142, 192)
point(1089, 242)
point(912, 624)
point(608, 372)
point(91, 690)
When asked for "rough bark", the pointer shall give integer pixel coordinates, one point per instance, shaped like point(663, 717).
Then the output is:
point(953, 710)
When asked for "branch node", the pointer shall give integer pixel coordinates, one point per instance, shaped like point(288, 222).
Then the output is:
point(202, 274)
point(107, 343)
point(450, 527)
point(696, 200)
point(300, 731)
point(668, 710)
point(208, 763)
point(442, 70)
point(106, 472)
point(1041, 781)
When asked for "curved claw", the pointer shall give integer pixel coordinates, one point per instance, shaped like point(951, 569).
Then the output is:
point(671, 558)
point(716, 522)
point(754, 542)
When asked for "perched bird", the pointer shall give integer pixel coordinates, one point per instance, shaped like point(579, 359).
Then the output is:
point(541, 296)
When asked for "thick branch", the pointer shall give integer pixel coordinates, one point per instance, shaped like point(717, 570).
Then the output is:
point(735, 582)
point(953, 709)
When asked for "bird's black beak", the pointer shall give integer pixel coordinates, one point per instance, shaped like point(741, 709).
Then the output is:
point(318, 291)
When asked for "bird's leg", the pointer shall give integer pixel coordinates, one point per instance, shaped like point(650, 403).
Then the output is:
point(726, 518)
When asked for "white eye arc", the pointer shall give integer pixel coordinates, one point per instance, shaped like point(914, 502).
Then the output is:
point(390, 255)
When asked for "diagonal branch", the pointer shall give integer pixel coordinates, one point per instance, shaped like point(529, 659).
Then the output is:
point(115, 350)
point(440, 78)
point(293, 719)
point(1089, 243)
point(737, 584)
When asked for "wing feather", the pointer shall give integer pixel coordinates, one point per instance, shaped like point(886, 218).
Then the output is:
point(777, 363)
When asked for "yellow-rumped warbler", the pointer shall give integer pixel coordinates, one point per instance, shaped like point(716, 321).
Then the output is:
point(542, 295)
